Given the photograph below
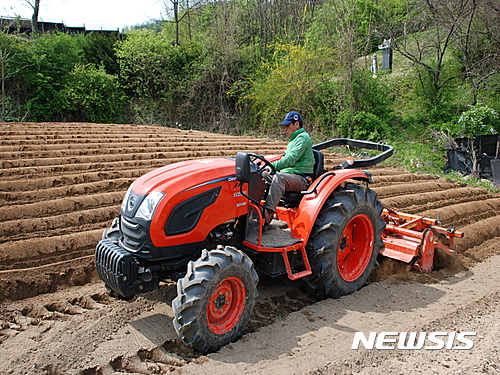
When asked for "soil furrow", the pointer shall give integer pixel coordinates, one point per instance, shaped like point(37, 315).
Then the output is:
point(64, 169)
point(99, 138)
point(414, 203)
point(16, 230)
point(38, 249)
point(414, 188)
point(69, 179)
point(15, 199)
point(107, 162)
point(464, 213)
point(199, 146)
point(478, 232)
point(404, 177)
point(59, 206)
point(20, 283)
point(48, 260)
point(11, 158)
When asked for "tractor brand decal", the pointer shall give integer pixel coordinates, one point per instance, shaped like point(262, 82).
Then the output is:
point(211, 182)
point(239, 194)
point(241, 204)
point(131, 202)
point(414, 340)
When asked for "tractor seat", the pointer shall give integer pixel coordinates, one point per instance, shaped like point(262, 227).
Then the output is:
point(292, 198)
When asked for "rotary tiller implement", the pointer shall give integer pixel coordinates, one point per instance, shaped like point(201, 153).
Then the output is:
point(410, 239)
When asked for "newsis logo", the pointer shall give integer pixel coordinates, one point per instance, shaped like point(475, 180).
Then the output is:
point(414, 340)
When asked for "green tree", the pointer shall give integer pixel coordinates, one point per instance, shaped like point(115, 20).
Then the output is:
point(477, 120)
point(35, 5)
point(90, 94)
point(287, 82)
point(99, 49)
point(479, 48)
point(182, 12)
point(155, 73)
point(51, 57)
point(351, 102)
point(428, 37)
point(11, 49)
point(222, 63)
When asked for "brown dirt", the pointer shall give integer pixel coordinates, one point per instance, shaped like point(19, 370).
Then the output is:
point(61, 185)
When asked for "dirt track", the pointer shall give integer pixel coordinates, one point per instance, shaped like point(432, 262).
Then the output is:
point(61, 186)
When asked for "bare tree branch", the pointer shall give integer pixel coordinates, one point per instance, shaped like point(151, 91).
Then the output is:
point(35, 5)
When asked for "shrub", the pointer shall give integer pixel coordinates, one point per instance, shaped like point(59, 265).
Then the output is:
point(50, 58)
point(369, 127)
point(92, 94)
point(287, 82)
point(478, 120)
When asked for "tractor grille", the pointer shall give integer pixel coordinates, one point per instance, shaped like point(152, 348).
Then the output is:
point(116, 267)
point(135, 235)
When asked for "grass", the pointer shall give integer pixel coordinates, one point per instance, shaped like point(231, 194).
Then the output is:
point(473, 181)
point(429, 156)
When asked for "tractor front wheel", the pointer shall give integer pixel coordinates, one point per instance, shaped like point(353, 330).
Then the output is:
point(345, 242)
point(113, 234)
point(215, 299)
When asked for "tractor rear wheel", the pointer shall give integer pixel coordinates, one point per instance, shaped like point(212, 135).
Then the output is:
point(215, 299)
point(345, 242)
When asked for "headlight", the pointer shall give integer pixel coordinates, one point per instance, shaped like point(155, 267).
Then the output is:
point(148, 206)
point(125, 198)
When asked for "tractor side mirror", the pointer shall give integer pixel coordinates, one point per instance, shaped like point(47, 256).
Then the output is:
point(242, 167)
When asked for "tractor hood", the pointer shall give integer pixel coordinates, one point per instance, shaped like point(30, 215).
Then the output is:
point(181, 202)
point(178, 177)
point(174, 182)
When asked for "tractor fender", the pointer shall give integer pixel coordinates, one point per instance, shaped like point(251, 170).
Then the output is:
point(315, 198)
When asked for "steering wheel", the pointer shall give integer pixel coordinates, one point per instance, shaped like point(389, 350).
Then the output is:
point(254, 158)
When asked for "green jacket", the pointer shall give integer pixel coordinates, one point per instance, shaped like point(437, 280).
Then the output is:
point(298, 158)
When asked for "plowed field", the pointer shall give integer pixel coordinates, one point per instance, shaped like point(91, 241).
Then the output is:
point(62, 184)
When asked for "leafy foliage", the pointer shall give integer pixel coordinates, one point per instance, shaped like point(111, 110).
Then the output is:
point(154, 72)
point(478, 120)
point(12, 49)
point(92, 94)
point(151, 67)
point(99, 49)
point(286, 82)
point(51, 58)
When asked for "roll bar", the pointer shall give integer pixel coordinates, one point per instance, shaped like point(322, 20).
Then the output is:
point(387, 150)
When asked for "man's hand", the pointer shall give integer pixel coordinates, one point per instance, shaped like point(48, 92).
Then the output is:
point(267, 175)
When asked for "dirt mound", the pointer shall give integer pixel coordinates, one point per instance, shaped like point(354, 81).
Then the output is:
point(62, 184)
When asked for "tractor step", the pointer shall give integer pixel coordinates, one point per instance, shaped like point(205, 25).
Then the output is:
point(297, 248)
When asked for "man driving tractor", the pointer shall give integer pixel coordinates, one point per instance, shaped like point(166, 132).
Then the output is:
point(295, 168)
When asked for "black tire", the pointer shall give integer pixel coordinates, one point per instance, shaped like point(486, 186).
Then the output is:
point(215, 299)
point(341, 252)
point(113, 234)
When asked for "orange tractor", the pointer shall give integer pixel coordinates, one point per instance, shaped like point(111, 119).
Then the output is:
point(200, 223)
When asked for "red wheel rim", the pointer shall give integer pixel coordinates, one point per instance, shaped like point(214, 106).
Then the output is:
point(225, 305)
point(355, 247)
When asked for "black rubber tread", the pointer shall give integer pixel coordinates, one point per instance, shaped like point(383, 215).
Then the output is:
point(344, 203)
point(112, 234)
point(194, 290)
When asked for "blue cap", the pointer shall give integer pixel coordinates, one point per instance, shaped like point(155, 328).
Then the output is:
point(291, 117)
